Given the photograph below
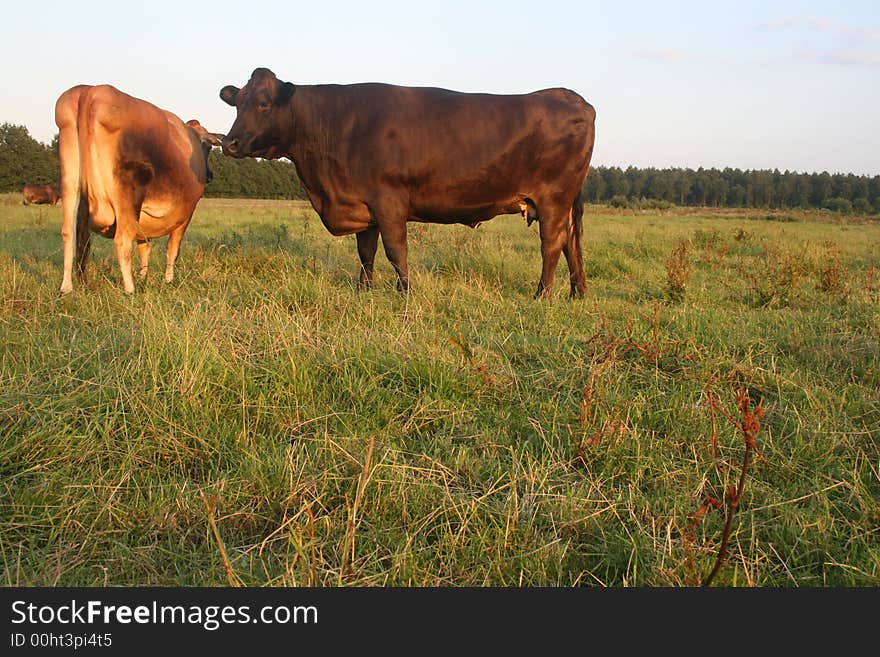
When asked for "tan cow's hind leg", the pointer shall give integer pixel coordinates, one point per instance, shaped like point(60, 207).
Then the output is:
point(171, 252)
point(123, 243)
point(144, 248)
point(69, 154)
point(68, 238)
point(123, 240)
point(83, 239)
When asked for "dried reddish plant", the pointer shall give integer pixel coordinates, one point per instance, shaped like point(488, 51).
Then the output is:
point(591, 403)
point(870, 283)
point(694, 519)
point(678, 271)
point(749, 425)
point(831, 273)
point(464, 346)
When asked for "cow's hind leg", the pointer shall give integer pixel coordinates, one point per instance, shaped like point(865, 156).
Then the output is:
point(573, 251)
point(123, 241)
point(554, 237)
point(576, 274)
point(172, 250)
point(144, 248)
point(83, 239)
point(68, 151)
point(367, 244)
point(124, 238)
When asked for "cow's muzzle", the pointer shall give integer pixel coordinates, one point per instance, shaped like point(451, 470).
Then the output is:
point(230, 147)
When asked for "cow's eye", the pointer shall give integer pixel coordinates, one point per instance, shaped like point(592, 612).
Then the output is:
point(263, 105)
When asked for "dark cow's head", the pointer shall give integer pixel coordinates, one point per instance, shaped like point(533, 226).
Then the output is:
point(207, 140)
point(262, 124)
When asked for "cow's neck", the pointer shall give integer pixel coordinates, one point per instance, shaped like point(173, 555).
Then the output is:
point(310, 141)
point(312, 114)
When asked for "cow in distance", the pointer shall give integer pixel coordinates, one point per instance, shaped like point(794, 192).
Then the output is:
point(39, 194)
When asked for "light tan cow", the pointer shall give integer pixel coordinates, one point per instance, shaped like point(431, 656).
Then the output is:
point(130, 171)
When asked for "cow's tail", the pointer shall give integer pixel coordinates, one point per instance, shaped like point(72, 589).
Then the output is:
point(577, 208)
point(577, 223)
point(67, 120)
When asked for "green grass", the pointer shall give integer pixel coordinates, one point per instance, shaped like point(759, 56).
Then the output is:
point(514, 442)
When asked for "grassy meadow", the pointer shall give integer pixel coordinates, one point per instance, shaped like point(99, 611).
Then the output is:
point(260, 422)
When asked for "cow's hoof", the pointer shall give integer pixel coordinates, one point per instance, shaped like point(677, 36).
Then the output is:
point(543, 292)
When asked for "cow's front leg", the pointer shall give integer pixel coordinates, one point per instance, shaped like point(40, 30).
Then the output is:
point(367, 244)
point(144, 248)
point(393, 233)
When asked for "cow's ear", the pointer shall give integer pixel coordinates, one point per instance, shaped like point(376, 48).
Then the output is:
point(211, 138)
point(228, 94)
point(285, 91)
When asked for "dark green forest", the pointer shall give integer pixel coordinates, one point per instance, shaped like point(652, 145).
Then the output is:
point(24, 160)
point(733, 188)
point(250, 178)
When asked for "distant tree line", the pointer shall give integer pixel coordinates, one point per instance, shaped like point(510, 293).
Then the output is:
point(733, 188)
point(24, 160)
point(250, 178)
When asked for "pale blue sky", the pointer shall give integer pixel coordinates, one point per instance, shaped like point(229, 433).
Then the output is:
point(754, 85)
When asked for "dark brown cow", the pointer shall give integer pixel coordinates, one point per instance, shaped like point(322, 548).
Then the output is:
point(374, 156)
point(37, 194)
point(129, 171)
